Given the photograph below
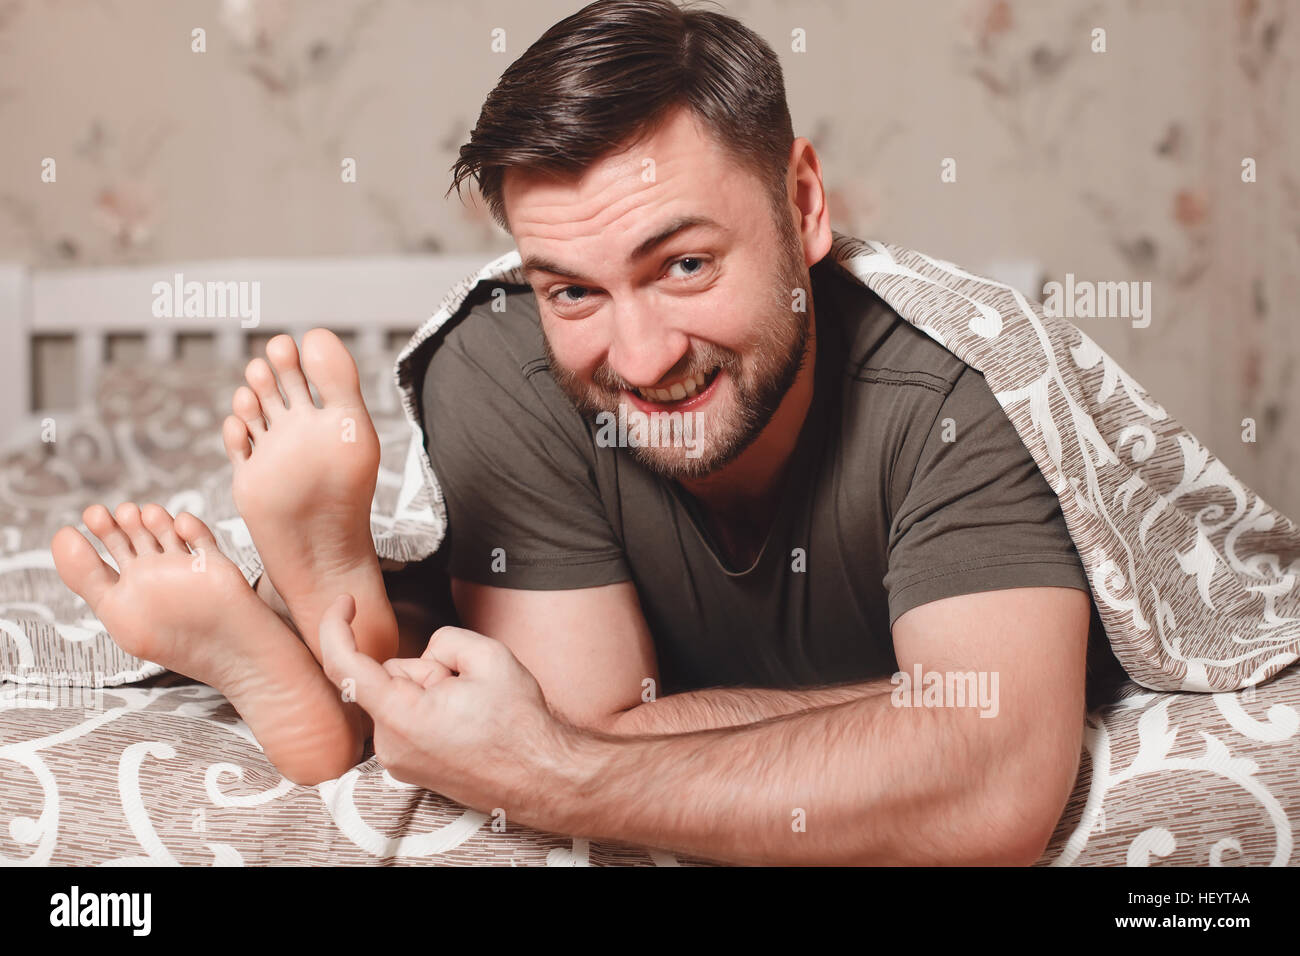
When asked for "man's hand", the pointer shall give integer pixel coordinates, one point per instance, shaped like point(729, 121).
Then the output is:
point(465, 719)
point(589, 648)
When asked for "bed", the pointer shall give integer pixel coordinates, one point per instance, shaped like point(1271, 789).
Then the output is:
point(113, 766)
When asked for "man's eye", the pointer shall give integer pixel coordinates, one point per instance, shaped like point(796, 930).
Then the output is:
point(562, 297)
point(696, 259)
point(560, 293)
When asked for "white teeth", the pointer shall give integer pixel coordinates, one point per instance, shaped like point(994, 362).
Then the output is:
point(683, 389)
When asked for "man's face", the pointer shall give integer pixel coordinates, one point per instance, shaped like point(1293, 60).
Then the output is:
point(702, 322)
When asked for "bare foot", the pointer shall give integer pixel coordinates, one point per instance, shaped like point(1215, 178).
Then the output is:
point(178, 601)
point(303, 481)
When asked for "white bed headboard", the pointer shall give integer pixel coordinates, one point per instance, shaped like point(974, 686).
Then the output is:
point(368, 296)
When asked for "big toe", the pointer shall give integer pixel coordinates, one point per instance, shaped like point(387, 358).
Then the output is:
point(80, 566)
point(330, 368)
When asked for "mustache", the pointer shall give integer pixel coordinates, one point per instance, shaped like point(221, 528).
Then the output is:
point(701, 359)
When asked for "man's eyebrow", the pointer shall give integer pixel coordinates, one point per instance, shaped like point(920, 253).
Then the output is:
point(541, 264)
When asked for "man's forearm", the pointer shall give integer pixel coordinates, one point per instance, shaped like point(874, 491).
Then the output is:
point(861, 782)
point(734, 706)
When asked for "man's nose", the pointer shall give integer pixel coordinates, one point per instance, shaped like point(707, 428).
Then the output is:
point(643, 348)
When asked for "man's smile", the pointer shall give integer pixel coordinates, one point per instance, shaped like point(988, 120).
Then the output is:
point(684, 388)
point(687, 395)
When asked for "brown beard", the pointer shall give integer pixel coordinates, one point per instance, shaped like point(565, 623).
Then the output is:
point(780, 350)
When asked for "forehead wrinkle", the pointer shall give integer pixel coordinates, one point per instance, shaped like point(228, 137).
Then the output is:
point(600, 205)
point(603, 217)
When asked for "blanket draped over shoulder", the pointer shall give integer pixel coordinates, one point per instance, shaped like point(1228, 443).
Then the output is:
point(1194, 575)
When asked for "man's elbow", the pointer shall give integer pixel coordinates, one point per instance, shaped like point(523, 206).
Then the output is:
point(1025, 844)
point(1002, 828)
point(1028, 801)
point(1029, 817)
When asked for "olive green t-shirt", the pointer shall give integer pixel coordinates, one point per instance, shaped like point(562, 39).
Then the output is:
point(908, 484)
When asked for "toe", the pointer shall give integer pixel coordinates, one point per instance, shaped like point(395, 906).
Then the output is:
point(248, 410)
point(262, 380)
point(102, 526)
point(283, 355)
point(234, 435)
point(159, 523)
point(80, 566)
point(330, 368)
point(195, 533)
point(142, 539)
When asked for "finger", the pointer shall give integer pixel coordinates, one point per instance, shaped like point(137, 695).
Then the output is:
point(422, 672)
point(403, 684)
point(342, 661)
point(461, 650)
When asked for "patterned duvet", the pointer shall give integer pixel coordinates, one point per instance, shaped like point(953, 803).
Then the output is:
point(166, 773)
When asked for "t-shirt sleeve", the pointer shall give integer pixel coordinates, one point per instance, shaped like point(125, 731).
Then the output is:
point(523, 509)
point(978, 514)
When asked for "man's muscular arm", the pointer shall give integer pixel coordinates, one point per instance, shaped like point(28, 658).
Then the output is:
point(858, 783)
point(591, 651)
point(864, 782)
point(734, 706)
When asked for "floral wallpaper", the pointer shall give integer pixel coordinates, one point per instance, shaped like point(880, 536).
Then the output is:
point(1104, 139)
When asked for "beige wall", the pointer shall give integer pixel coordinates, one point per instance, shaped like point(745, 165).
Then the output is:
point(1123, 165)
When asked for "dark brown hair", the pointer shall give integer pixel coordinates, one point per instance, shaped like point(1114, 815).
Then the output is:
point(607, 75)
